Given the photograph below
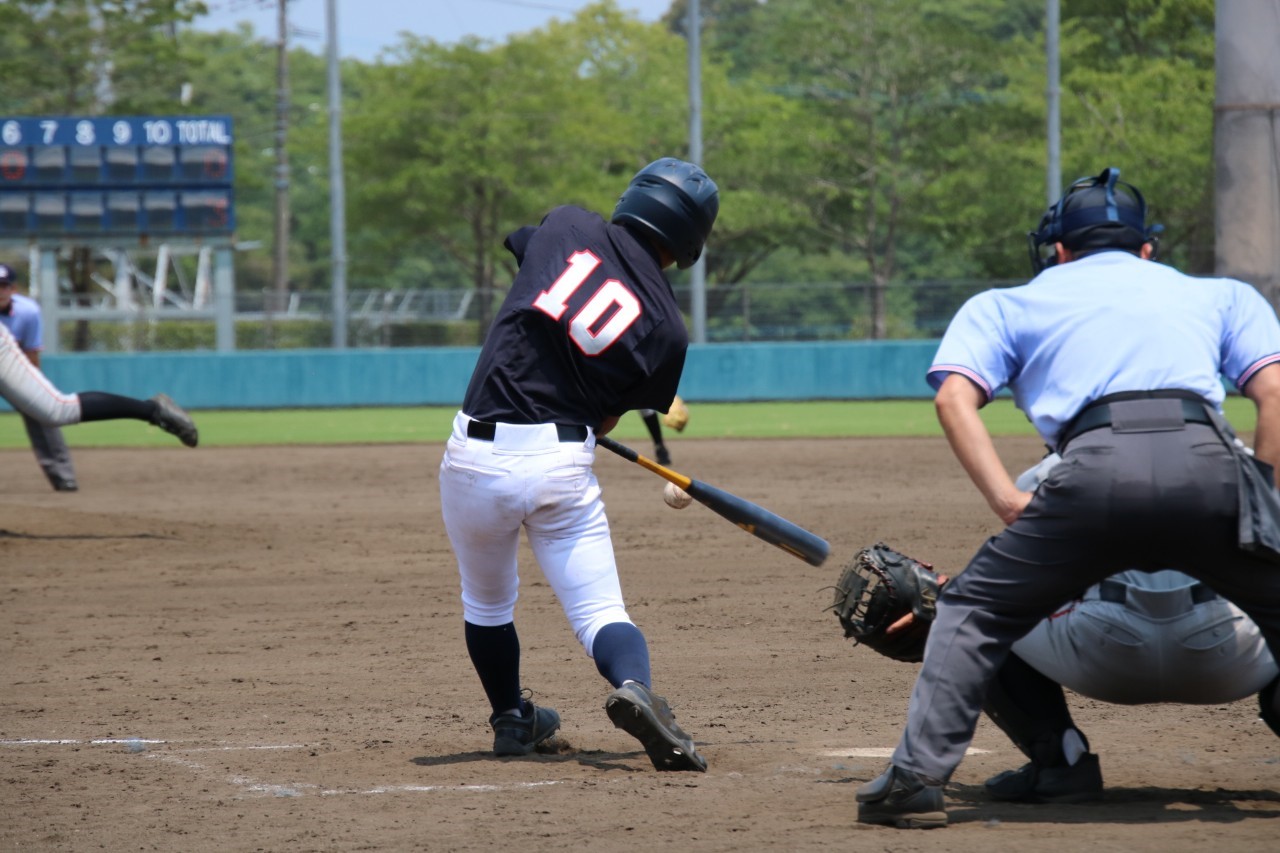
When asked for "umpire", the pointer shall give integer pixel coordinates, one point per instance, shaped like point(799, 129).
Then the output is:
point(1117, 361)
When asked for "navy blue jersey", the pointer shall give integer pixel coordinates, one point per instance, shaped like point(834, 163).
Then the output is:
point(590, 328)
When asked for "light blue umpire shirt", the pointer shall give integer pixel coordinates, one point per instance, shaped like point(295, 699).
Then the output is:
point(1105, 323)
point(23, 320)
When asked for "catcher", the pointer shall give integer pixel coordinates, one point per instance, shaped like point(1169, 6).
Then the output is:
point(1135, 638)
point(676, 418)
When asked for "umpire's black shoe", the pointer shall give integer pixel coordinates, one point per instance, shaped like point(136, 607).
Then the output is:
point(1035, 783)
point(66, 486)
point(171, 418)
point(903, 799)
point(647, 717)
point(519, 735)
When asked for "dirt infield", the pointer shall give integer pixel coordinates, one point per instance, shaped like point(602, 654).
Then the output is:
point(261, 649)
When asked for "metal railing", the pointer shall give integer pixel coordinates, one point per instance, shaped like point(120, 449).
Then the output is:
point(427, 317)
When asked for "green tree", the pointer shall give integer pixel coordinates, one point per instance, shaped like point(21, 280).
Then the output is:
point(1136, 92)
point(876, 79)
point(455, 146)
point(92, 57)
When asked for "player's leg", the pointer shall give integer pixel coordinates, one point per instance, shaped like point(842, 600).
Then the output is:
point(481, 499)
point(29, 391)
point(52, 454)
point(1049, 555)
point(1032, 710)
point(570, 537)
point(652, 421)
point(158, 411)
point(1253, 585)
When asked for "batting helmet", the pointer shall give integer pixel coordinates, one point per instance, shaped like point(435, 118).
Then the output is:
point(1094, 213)
point(7, 275)
point(675, 203)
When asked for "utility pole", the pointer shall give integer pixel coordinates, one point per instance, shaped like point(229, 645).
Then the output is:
point(337, 186)
point(698, 281)
point(280, 271)
point(1053, 91)
point(1246, 143)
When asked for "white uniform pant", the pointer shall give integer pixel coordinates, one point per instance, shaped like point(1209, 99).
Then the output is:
point(27, 389)
point(526, 477)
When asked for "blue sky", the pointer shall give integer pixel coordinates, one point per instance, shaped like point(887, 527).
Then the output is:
point(365, 27)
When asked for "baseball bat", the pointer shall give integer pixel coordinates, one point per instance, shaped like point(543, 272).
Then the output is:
point(753, 518)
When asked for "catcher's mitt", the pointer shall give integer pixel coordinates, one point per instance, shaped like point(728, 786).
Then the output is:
point(879, 587)
point(677, 417)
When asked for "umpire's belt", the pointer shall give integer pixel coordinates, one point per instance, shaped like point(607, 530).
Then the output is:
point(1099, 414)
point(486, 431)
point(1155, 603)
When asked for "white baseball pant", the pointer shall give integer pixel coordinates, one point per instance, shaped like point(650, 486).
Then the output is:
point(526, 477)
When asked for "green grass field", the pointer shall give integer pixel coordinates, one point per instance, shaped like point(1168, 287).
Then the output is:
point(819, 419)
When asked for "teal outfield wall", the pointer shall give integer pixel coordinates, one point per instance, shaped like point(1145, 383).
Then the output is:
point(438, 376)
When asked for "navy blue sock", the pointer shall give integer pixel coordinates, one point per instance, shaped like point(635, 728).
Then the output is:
point(495, 653)
point(621, 654)
point(101, 406)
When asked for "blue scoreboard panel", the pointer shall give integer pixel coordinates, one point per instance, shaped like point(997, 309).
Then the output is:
point(64, 178)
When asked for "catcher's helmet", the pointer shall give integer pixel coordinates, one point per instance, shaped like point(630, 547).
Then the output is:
point(1100, 212)
point(673, 201)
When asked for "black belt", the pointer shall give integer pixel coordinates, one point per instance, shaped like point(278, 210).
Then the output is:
point(486, 431)
point(1098, 414)
point(1115, 592)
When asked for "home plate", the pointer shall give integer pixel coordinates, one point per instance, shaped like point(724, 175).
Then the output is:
point(880, 752)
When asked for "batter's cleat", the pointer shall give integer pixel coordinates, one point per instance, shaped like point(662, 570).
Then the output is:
point(904, 799)
point(662, 454)
point(519, 735)
point(170, 417)
point(1034, 783)
point(647, 717)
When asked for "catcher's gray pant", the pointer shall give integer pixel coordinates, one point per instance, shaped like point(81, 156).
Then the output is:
point(1134, 645)
point(51, 452)
point(1151, 500)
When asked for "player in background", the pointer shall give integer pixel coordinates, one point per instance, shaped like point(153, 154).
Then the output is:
point(21, 316)
point(653, 422)
point(34, 396)
point(589, 330)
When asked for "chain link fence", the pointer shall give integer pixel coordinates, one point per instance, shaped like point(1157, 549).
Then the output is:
point(831, 311)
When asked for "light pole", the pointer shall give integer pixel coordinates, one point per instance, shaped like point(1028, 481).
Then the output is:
point(698, 280)
point(337, 186)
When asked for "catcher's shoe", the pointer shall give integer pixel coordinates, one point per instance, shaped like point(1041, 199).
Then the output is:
point(519, 735)
point(647, 717)
point(903, 799)
point(662, 454)
point(1034, 783)
point(171, 418)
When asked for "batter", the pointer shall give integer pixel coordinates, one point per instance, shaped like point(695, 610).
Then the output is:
point(589, 330)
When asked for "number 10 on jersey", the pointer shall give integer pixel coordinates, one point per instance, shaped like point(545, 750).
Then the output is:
point(612, 297)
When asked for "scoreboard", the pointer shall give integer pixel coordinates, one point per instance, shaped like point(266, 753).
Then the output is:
point(96, 178)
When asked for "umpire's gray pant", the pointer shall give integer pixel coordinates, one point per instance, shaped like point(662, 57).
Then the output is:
point(1147, 500)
